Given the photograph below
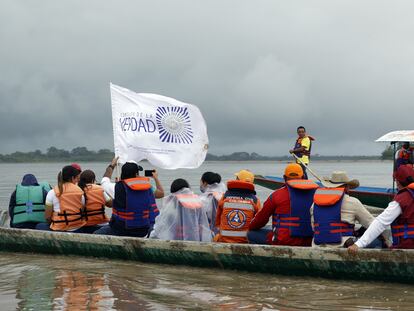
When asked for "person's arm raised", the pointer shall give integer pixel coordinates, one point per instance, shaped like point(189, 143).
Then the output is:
point(110, 169)
point(159, 191)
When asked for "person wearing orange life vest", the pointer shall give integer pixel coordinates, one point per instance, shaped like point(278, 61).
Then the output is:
point(95, 201)
point(289, 208)
point(212, 190)
point(182, 216)
point(335, 213)
point(399, 214)
point(132, 205)
point(236, 209)
point(64, 203)
point(403, 156)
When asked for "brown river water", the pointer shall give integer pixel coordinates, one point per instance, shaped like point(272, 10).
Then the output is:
point(45, 282)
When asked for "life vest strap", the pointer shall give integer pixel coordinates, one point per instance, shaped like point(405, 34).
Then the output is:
point(27, 204)
point(33, 211)
point(238, 205)
point(231, 233)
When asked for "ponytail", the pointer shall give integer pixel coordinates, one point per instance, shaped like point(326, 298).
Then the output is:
point(66, 175)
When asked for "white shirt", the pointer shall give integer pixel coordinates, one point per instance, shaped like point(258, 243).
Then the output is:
point(52, 200)
point(108, 186)
point(380, 224)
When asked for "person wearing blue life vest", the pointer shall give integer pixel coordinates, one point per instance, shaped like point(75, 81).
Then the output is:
point(334, 213)
point(132, 206)
point(27, 203)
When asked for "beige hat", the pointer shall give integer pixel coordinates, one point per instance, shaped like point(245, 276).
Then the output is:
point(340, 178)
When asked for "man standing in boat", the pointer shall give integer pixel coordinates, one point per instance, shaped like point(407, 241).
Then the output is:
point(302, 148)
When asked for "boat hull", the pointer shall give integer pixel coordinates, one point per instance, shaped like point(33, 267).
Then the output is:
point(384, 265)
point(378, 197)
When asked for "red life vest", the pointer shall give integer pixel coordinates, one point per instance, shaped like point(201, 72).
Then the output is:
point(403, 227)
point(297, 220)
point(328, 226)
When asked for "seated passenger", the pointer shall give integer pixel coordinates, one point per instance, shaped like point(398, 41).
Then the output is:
point(335, 213)
point(65, 202)
point(109, 187)
point(212, 191)
point(399, 214)
point(236, 209)
point(27, 203)
point(95, 201)
point(132, 204)
point(182, 216)
point(289, 207)
point(403, 156)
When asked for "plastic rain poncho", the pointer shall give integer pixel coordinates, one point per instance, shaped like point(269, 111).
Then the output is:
point(182, 217)
point(210, 197)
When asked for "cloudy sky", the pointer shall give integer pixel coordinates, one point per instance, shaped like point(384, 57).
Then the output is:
point(256, 69)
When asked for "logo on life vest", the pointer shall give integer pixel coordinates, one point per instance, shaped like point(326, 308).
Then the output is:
point(236, 219)
point(174, 125)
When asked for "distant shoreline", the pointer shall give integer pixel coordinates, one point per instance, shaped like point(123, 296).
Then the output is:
point(82, 154)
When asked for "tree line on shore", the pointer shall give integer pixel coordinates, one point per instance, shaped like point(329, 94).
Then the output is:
point(82, 154)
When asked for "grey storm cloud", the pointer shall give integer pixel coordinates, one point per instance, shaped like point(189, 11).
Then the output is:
point(256, 69)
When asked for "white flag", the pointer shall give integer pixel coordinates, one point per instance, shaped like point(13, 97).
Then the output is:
point(168, 133)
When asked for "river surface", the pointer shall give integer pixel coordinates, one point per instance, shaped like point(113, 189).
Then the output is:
point(38, 282)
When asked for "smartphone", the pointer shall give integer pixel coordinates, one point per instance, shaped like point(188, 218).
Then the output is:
point(148, 173)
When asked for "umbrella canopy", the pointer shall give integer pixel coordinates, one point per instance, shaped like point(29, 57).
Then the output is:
point(398, 136)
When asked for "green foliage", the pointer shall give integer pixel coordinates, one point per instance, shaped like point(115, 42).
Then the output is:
point(388, 153)
point(54, 154)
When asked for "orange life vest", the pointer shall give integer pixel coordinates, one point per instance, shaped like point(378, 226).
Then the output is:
point(237, 212)
point(71, 209)
point(95, 205)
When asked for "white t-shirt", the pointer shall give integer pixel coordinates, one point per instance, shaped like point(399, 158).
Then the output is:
point(52, 200)
point(108, 186)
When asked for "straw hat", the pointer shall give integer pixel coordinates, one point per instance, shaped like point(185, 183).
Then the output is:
point(340, 178)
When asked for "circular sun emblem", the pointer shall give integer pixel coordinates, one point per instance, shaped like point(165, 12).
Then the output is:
point(174, 125)
point(236, 219)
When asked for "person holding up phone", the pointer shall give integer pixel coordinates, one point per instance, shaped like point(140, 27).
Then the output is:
point(109, 186)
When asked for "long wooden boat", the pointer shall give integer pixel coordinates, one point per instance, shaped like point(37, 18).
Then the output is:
point(372, 196)
point(382, 265)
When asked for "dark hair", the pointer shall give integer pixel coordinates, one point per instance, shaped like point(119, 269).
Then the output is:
point(66, 175)
point(179, 184)
point(86, 177)
point(211, 178)
point(300, 127)
point(129, 170)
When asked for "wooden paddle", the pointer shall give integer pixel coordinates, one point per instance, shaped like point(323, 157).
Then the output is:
point(310, 170)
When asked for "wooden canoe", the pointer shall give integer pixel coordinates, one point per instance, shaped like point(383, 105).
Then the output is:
point(372, 196)
point(383, 265)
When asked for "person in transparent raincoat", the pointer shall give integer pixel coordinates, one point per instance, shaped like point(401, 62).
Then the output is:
point(212, 190)
point(182, 216)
